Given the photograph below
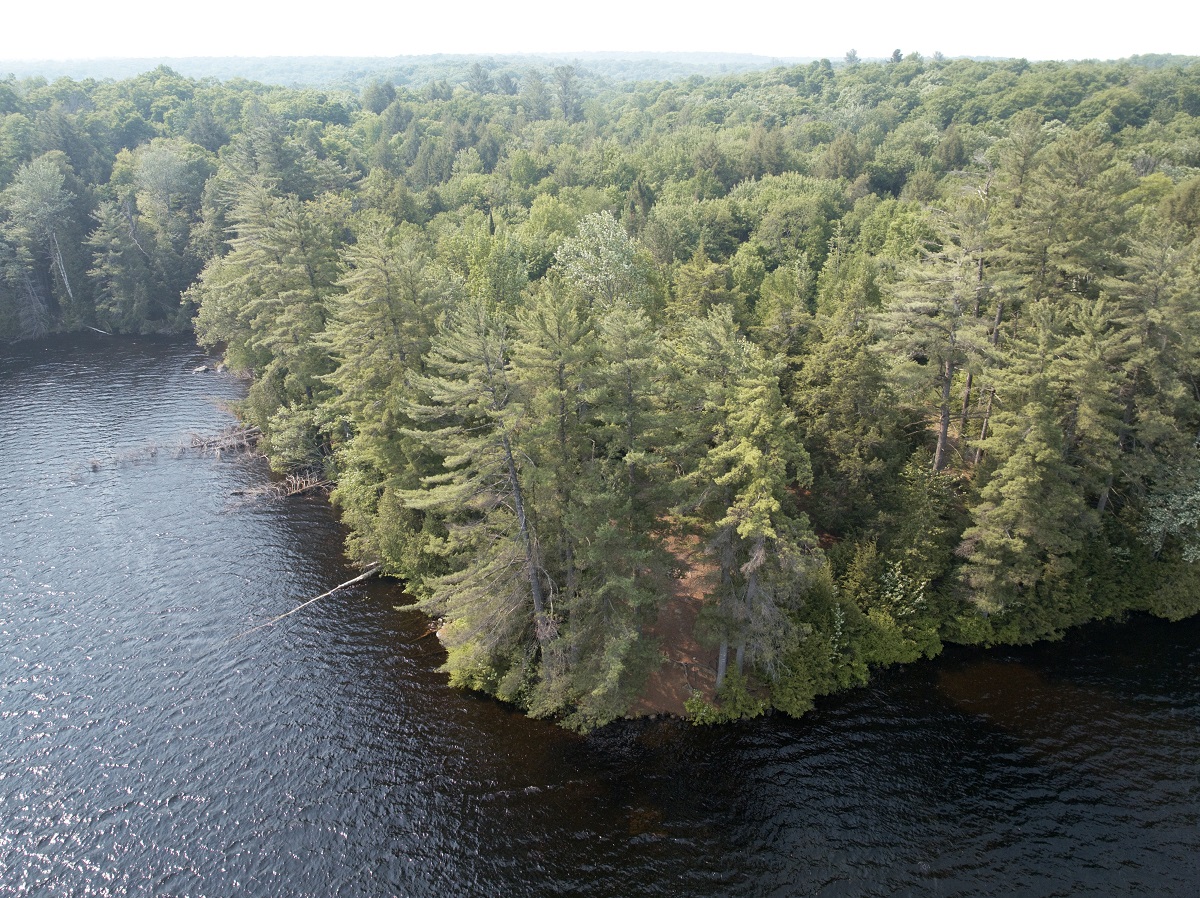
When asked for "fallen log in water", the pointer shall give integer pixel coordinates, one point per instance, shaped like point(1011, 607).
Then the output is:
point(371, 571)
point(295, 484)
point(231, 439)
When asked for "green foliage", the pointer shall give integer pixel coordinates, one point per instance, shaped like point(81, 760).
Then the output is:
point(734, 702)
point(906, 351)
point(829, 655)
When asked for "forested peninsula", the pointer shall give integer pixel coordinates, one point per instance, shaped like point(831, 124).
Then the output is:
point(852, 360)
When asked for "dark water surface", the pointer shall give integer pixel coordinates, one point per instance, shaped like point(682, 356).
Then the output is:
point(145, 752)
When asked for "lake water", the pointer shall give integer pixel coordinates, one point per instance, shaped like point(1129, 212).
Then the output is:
point(148, 749)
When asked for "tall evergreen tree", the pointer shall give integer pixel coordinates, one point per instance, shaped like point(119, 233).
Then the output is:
point(498, 608)
point(267, 302)
point(737, 455)
point(933, 328)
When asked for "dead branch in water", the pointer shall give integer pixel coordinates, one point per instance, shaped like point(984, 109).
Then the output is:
point(371, 571)
point(126, 457)
point(229, 439)
point(295, 484)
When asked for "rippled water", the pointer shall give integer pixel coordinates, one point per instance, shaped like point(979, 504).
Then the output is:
point(144, 750)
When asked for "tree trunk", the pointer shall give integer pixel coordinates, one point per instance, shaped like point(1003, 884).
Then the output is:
point(722, 662)
point(129, 220)
point(1102, 502)
point(995, 335)
point(966, 405)
point(62, 268)
point(987, 416)
point(629, 424)
point(939, 456)
point(34, 314)
point(728, 599)
point(1122, 443)
point(531, 560)
point(564, 492)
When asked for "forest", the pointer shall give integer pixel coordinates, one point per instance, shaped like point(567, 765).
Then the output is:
point(353, 73)
point(880, 356)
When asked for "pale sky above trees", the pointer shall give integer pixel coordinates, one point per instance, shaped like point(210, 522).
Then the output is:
point(1034, 29)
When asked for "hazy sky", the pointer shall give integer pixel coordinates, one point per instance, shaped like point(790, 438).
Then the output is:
point(1035, 29)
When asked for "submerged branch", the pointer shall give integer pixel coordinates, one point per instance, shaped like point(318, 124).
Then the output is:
point(230, 439)
point(371, 571)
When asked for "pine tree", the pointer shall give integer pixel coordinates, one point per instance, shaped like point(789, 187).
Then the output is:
point(737, 458)
point(701, 285)
point(933, 329)
point(497, 607)
point(266, 300)
point(128, 296)
point(552, 357)
point(852, 420)
point(587, 383)
point(378, 333)
point(624, 506)
point(1030, 517)
point(383, 319)
point(1154, 311)
point(764, 553)
point(782, 313)
point(1060, 228)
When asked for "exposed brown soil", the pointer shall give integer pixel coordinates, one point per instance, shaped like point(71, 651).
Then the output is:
point(687, 666)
